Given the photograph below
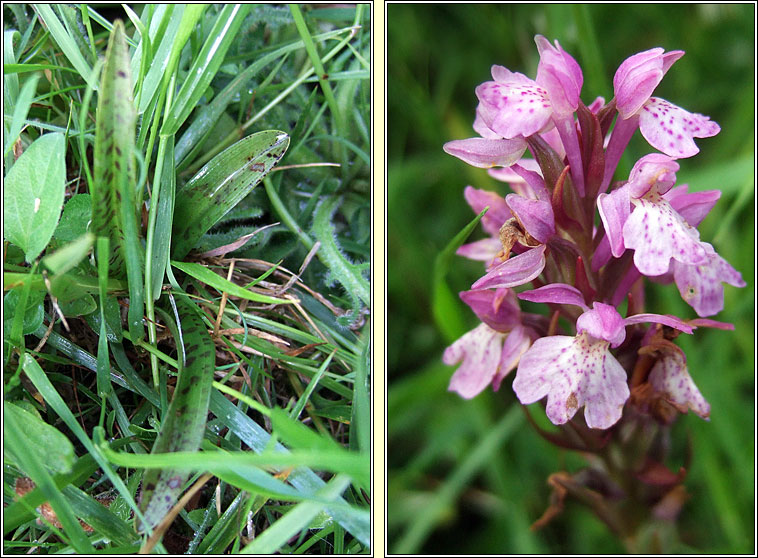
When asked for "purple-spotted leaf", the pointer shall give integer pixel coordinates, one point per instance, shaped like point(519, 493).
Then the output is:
point(221, 184)
point(184, 422)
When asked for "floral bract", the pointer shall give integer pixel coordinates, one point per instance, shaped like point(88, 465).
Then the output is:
point(587, 353)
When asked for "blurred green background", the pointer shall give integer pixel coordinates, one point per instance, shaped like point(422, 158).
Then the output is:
point(469, 476)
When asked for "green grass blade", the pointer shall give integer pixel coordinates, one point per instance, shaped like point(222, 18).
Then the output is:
point(20, 511)
point(252, 434)
point(206, 65)
point(294, 521)
point(153, 77)
point(103, 362)
point(360, 434)
point(205, 275)
point(445, 305)
point(161, 233)
point(66, 43)
point(20, 112)
point(221, 184)
point(10, 80)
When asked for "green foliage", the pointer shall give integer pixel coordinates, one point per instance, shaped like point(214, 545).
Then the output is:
point(222, 184)
point(127, 113)
point(50, 447)
point(437, 56)
point(33, 194)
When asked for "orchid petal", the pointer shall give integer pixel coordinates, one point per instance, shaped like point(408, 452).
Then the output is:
point(657, 233)
point(514, 271)
point(555, 293)
point(483, 250)
point(498, 309)
point(603, 322)
point(573, 372)
point(670, 377)
point(595, 106)
point(695, 206)
point(486, 153)
point(615, 209)
point(671, 129)
point(560, 75)
point(514, 109)
point(701, 286)
point(498, 212)
point(517, 182)
point(534, 180)
point(638, 76)
point(706, 322)
point(479, 350)
point(482, 129)
point(671, 321)
point(516, 344)
point(536, 216)
point(653, 173)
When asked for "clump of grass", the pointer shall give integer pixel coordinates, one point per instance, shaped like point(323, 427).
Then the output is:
point(100, 359)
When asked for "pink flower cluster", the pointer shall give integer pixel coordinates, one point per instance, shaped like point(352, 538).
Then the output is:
point(584, 268)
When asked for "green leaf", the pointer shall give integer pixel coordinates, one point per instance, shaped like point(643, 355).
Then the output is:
point(297, 435)
point(208, 115)
point(221, 184)
point(114, 144)
point(252, 434)
point(114, 205)
point(79, 306)
point(161, 52)
point(76, 214)
point(45, 443)
point(33, 315)
point(10, 81)
point(161, 238)
point(445, 306)
point(112, 320)
point(205, 275)
point(40, 380)
point(33, 194)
